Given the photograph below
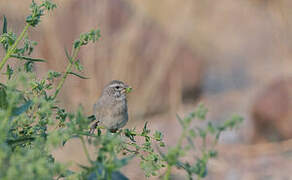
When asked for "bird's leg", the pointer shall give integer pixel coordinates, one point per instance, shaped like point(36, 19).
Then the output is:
point(93, 127)
point(113, 130)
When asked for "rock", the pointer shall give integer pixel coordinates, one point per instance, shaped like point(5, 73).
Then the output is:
point(271, 113)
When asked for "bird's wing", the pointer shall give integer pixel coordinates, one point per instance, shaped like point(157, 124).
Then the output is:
point(100, 109)
point(96, 110)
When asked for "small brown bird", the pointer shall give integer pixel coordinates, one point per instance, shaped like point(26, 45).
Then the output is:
point(111, 109)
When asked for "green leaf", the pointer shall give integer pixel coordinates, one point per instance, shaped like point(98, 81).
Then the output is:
point(201, 112)
point(213, 153)
point(218, 135)
point(180, 120)
point(231, 123)
point(9, 71)
point(211, 128)
point(27, 58)
point(124, 161)
point(19, 141)
point(129, 89)
point(117, 175)
point(49, 5)
point(202, 132)
point(145, 130)
point(28, 66)
point(52, 75)
point(4, 25)
point(84, 167)
point(78, 75)
point(130, 134)
point(3, 98)
point(76, 44)
point(192, 133)
point(66, 140)
point(78, 65)
point(98, 131)
point(66, 174)
point(158, 136)
point(85, 38)
point(91, 118)
point(21, 109)
point(68, 56)
point(161, 144)
point(190, 141)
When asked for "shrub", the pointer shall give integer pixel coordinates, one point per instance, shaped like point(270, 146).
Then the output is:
point(32, 123)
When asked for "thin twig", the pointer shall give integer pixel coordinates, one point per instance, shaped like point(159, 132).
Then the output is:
point(68, 70)
point(85, 149)
point(13, 47)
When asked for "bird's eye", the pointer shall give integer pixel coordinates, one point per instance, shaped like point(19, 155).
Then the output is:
point(118, 87)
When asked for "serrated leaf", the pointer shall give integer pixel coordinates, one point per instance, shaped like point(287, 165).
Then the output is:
point(21, 109)
point(4, 25)
point(20, 140)
point(27, 58)
point(78, 75)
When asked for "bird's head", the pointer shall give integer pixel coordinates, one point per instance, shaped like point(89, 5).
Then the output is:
point(117, 89)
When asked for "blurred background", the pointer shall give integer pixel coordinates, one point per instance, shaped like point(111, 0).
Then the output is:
point(233, 56)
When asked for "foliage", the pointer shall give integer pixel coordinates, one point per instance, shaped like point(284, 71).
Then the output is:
point(32, 123)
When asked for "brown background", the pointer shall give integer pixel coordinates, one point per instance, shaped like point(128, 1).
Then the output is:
point(176, 53)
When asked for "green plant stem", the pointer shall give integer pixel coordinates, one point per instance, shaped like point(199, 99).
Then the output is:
point(181, 138)
point(13, 47)
point(167, 173)
point(178, 147)
point(6, 119)
point(85, 149)
point(68, 70)
point(5, 122)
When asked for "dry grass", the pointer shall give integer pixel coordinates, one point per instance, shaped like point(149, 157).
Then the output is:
point(141, 46)
point(134, 48)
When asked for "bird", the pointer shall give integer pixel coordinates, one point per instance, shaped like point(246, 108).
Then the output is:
point(111, 109)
